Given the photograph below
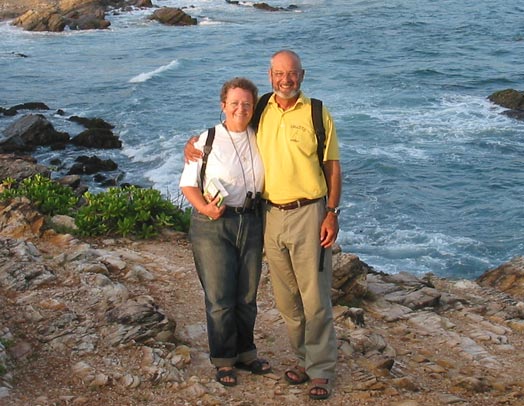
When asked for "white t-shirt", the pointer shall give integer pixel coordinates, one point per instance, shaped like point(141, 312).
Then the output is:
point(234, 160)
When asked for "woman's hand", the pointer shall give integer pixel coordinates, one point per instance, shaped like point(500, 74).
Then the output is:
point(212, 210)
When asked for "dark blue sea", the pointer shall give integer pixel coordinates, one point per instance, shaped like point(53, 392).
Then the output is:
point(433, 173)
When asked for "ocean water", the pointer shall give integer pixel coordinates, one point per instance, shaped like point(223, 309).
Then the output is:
point(433, 173)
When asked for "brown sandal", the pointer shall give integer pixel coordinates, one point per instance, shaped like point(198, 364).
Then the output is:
point(319, 389)
point(296, 376)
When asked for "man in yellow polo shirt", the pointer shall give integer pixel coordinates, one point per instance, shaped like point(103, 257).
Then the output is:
point(301, 221)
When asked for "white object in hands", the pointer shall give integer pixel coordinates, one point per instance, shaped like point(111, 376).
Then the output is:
point(214, 189)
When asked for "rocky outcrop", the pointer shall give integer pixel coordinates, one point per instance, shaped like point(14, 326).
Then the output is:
point(263, 6)
point(91, 164)
point(172, 16)
point(508, 278)
point(92, 122)
point(100, 138)
point(13, 111)
point(35, 130)
point(349, 278)
point(57, 15)
point(75, 14)
point(118, 320)
point(510, 99)
point(20, 167)
point(29, 132)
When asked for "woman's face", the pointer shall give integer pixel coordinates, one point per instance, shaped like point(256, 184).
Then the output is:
point(238, 109)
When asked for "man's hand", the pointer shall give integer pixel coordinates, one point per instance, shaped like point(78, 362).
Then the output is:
point(329, 230)
point(190, 152)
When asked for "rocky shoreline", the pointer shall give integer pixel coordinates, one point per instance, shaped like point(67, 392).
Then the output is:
point(117, 321)
point(57, 15)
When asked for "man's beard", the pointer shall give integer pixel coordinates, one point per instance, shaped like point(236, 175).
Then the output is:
point(287, 95)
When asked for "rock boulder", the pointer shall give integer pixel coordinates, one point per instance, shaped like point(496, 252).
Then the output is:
point(75, 14)
point(509, 278)
point(29, 132)
point(172, 16)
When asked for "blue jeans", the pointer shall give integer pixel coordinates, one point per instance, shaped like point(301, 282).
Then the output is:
point(228, 260)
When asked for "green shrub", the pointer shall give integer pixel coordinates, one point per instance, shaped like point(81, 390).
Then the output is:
point(120, 211)
point(47, 195)
point(127, 211)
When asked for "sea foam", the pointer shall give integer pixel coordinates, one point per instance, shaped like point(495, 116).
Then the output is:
point(143, 77)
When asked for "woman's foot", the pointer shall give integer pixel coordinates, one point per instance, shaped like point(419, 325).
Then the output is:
point(296, 376)
point(227, 376)
point(257, 367)
point(319, 389)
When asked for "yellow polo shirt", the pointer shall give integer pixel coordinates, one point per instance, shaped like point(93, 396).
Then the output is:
point(288, 145)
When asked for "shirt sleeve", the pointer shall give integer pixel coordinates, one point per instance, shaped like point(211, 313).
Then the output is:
point(191, 174)
point(332, 152)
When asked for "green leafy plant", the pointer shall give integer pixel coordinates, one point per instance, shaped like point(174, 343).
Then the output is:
point(48, 196)
point(120, 211)
point(8, 182)
point(127, 211)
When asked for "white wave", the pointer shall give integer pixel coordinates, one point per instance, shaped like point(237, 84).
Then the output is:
point(209, 21)
point(167, 176)
point(145, 76)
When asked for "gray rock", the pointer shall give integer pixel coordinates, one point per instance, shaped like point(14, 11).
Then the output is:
point(31, 131)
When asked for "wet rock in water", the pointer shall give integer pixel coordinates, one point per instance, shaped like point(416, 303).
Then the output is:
point(90, 165)
point(508, 98)
point(172, 16)
point(100, 138)
point(30, 131)
point(75, 14)
point(91, 122)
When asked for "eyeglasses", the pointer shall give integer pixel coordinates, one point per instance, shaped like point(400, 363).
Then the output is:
point(293, 74)
point(244, 105)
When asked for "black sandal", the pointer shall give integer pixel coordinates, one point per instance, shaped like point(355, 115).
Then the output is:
point(257, 367)
point(226, 372)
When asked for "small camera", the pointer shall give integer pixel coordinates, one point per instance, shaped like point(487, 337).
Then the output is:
point(252, 203)
point(248, 201)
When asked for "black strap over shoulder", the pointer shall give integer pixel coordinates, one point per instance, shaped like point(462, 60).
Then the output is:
point(259, 108)
point(207, 149)
point(320, 131)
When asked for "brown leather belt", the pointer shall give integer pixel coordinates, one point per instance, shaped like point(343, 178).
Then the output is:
point(293, 205)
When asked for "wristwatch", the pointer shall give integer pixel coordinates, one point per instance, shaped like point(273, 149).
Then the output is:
point(334, 210)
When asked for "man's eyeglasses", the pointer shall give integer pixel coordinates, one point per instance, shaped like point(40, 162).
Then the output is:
point(293, 74)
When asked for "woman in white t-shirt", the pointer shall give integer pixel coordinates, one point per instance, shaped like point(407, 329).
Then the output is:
point(226, 232)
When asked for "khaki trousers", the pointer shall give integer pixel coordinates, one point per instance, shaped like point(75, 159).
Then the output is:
point(302, 293)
